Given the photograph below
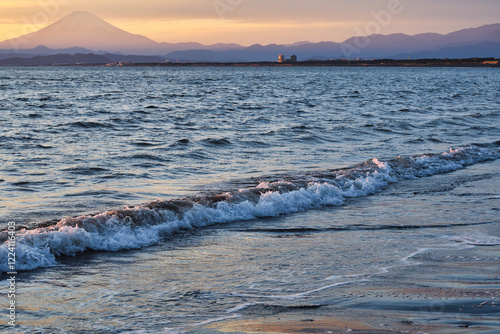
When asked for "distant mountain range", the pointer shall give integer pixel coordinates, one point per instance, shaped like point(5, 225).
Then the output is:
point(84, 33)
point(84, 30)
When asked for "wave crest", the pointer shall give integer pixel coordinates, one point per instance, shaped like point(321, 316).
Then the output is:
point(140, 226)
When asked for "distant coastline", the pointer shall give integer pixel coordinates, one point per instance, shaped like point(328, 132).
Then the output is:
point(473, 62)
point(99, 60)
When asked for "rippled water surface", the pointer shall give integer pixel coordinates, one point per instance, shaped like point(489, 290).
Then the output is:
point(77, 140)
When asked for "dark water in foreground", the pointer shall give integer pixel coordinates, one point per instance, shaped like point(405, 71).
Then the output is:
point(219, 189)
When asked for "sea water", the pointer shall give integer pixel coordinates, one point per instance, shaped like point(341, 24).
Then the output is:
point(160, 199)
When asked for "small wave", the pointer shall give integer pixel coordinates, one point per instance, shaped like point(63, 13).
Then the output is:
point(83, 170)
point(269, 133)
point(434, 140)
point(216, 141)
point(255, 143)
point(143, 112)
point(45, 147)
point(195, 155)
point(379, 129)
point(310, 138)
point(25, 185)
point(144, 144)
point(300, 127)
point(96, 193)
point(89, 125)
point(148, 157)
point(148, 224)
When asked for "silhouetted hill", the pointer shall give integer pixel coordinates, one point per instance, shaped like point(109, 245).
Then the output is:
point(196, 56)
point(62, 59)
point(134, 58)
point(482, 50)
point(42, 50)
point(380, 46)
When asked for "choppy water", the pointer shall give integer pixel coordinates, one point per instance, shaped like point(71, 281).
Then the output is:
point(188, 164)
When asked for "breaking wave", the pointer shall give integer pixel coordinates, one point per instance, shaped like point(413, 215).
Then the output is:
point(148, 224)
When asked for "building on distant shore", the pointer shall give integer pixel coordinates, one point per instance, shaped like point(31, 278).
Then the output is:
point(282, 59)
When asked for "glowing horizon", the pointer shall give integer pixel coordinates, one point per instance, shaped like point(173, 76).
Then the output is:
point(256, 22)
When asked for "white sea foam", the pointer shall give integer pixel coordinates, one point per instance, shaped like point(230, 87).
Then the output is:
point(148, 224)
point(476, 239)
point(295, 295)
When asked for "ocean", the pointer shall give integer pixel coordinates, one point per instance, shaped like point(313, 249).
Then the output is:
point(172, 199)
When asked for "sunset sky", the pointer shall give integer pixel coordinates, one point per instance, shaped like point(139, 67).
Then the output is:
point(248, 22)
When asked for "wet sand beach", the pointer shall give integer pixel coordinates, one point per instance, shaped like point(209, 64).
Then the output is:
point(457, 293)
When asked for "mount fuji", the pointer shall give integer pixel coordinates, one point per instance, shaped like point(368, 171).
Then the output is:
point(85, 30)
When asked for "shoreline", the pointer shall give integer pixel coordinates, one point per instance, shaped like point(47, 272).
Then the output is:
point(383, 63)
point(473, 62)
point(448, 292)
